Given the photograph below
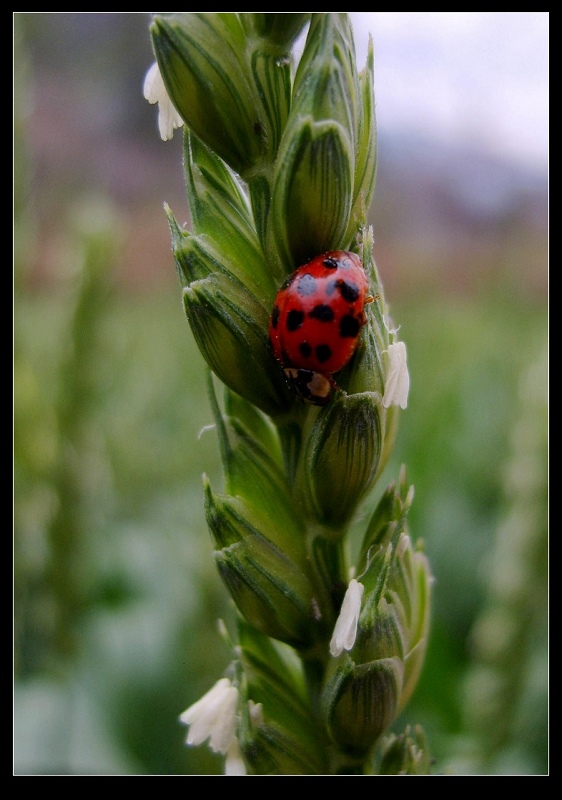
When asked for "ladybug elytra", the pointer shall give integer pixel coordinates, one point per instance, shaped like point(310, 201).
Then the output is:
point(316, 321)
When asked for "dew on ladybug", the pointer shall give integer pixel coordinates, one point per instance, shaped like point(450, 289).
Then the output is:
point(316, 321)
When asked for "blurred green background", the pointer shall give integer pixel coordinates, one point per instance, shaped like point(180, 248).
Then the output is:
point(116, 596)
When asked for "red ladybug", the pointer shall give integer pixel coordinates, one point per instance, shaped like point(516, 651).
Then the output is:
point(316, 321)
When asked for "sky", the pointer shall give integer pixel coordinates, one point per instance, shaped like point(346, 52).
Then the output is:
point(468, 77)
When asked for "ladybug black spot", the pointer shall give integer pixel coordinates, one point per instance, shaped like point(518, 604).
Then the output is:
point(294, 320)
point(275, 316)
point(323, 352)
point(322, 313)
point(349, 327)
point(305, 349)
point(306, 285)
point(349, 291)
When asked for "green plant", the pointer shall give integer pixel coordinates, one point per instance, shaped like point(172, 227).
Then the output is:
point(280, 166)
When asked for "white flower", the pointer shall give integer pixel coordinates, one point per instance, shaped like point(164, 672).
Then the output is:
point(397, 383)
point(155, 92)
point(213, 717)
point(234, 764)
point(345, 629)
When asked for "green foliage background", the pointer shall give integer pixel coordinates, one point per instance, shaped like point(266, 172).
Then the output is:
point(115, 592)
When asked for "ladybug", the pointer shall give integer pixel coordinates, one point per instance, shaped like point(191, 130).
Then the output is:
point(316, 321)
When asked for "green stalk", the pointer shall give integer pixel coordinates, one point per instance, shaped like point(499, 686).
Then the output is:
point(280, 164)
